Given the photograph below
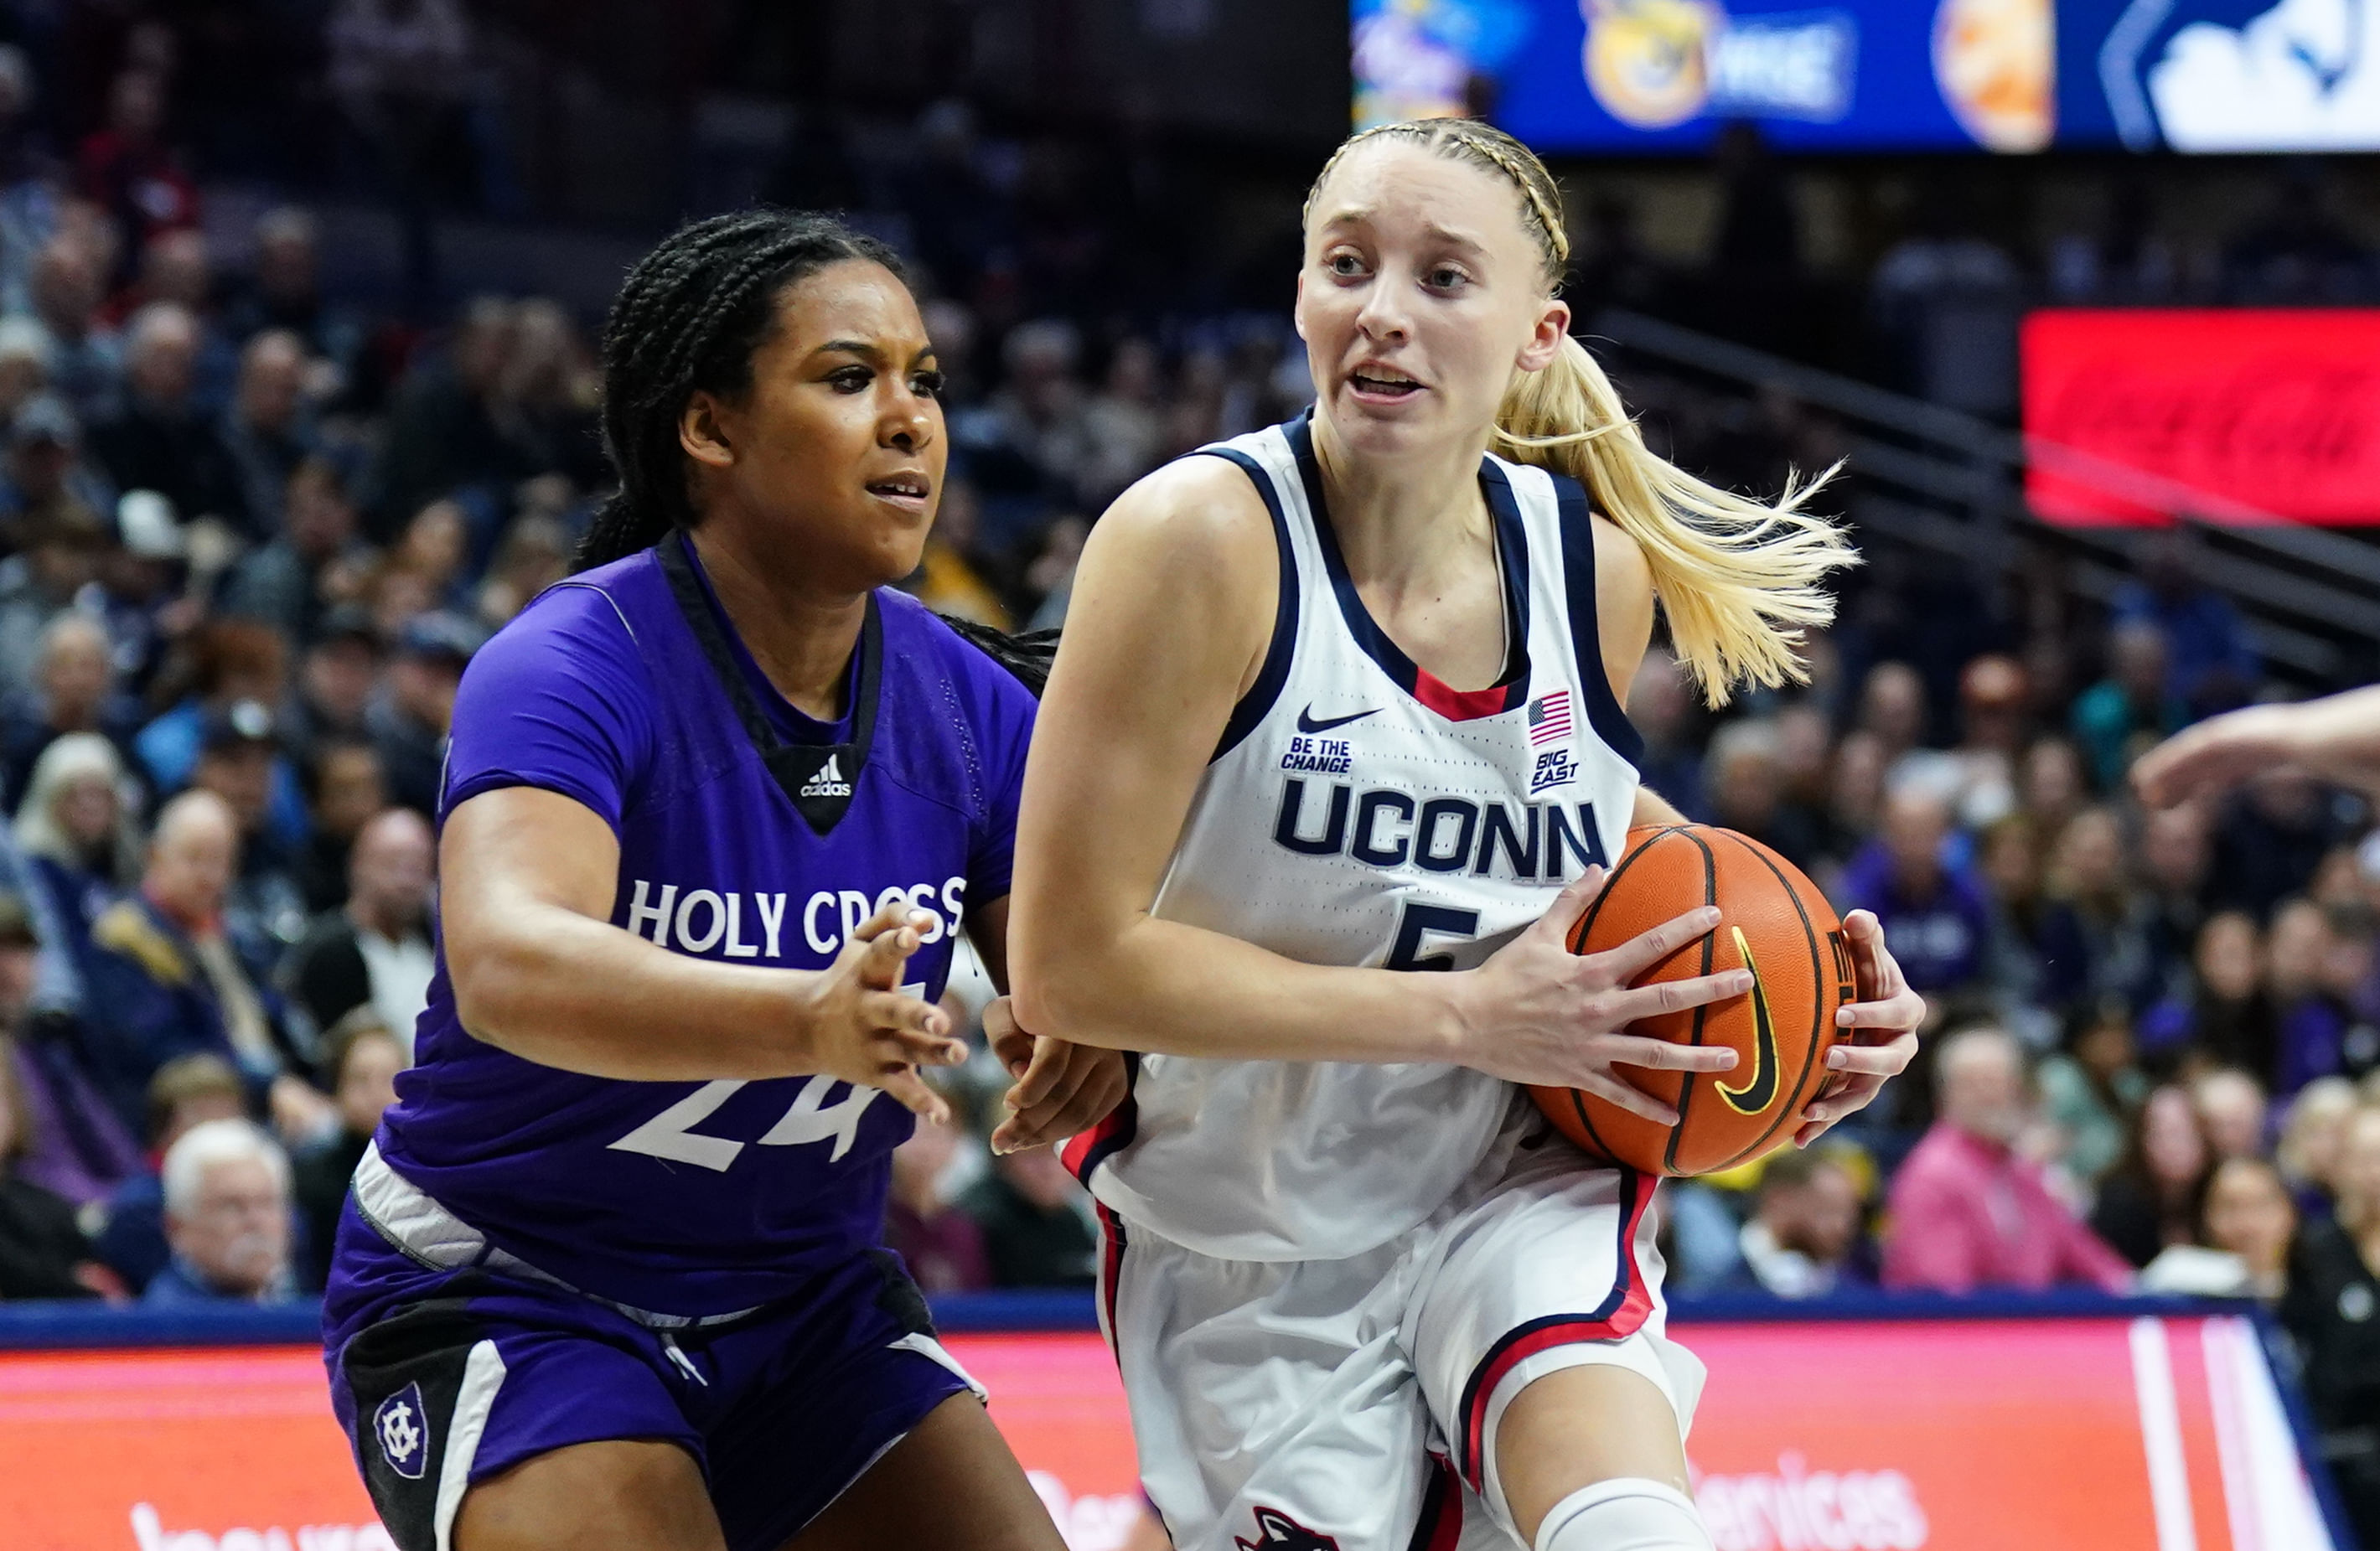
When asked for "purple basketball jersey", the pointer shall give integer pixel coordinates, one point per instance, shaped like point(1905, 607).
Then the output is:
point(698, 1198)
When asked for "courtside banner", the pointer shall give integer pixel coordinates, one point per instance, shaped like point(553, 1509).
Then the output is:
point(2232, 416)
point(2105, 1433)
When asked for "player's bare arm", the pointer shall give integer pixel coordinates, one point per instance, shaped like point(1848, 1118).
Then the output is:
point(1167, 629)
point(527, 877)
point(2335, 738)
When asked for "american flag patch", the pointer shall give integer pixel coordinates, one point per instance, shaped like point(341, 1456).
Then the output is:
point(1549, 717)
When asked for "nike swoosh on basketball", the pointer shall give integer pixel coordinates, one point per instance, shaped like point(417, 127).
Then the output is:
point(1761, 1092)
point(1306, 722)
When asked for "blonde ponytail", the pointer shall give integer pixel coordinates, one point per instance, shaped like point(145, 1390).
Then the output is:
point(1740, 581)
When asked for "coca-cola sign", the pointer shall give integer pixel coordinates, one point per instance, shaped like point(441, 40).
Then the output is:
point(2234, 416)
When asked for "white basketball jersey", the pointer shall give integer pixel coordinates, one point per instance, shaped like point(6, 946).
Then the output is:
point(1361, 813)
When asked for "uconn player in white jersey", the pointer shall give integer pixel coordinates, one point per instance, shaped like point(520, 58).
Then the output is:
point(1337, 701)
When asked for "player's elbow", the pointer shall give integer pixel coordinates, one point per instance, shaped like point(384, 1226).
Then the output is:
point(1054, 988)
point(494, 980)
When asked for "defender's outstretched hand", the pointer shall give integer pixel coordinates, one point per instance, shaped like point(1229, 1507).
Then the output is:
point(866, 1030)
point(1062, 1089)
point(1540, 1014)
point(1887, 1004)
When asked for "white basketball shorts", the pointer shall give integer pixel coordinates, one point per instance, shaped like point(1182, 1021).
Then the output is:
point(1305, 1405)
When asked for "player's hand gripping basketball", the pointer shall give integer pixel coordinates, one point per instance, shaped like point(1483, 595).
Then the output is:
point(866, 1030)
point(1538, 1014)
point(1888, 1006)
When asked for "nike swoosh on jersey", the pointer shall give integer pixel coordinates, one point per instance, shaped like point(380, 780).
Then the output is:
point(1306, 722)
point(1761, 1092)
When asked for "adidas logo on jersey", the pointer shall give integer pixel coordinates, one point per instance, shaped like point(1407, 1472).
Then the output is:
point(828, 782)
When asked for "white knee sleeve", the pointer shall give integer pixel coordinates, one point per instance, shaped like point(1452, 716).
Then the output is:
point(1628, 1514)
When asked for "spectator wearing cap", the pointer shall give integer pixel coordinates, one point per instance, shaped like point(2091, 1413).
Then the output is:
point(127, 1230)
point(346, 789)
point(286, 583)
point(162, 439)
point(42, 1251)
point(73, 691)
point(1968, 1209)
point(61, 556)
point(362, 1058)
point(376, 950)
point(265, 910)
point(409, 719)
point(86, 359)
point(44, 476)
point(336, 680)
point(1936, 918)
point(231, 660)
point(266, 429)
point(70, 1140)
point(227, 1218)
point(167, 980)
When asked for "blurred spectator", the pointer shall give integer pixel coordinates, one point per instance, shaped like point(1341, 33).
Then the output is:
point(2131, 708)
point(1660, 704)
point(128, 1228)
point(2231, 1109)
point(2311, 1134)
point(283, 291)
point(361, 1059)
point(68, 1140)
point(1746, 792)
point(549, 389)
point(536, 553)
point(2333, 1293)
point(85, 361)
point(1034, 1223)
point(227, 1188)
point(73, 691)
point(1967, 1210)
point(1855, 801)
point(446, 430)
point(940, 1244)
point(166, 981)
point(1124, 428)
point(2151, 1198)
point(265, 432)
point(265, 910)
point(376, 952)
point(1993, 705)
point(2317, 964)
point(2050, 788)
point(288, 583)
point(232, 662)
point(2250, 1216)
point(2271, 838)
point(76, 835)
point(1803, 1237)
point(2091, 1094)
point(175, 268)
point(42, 1253)
point(162, 439)
point(60, 557)
point(409, 720)
point(399, 71)
point(126, 167)
point(24, 360)
point(2094, 935)
point(948, 581)
point(2211, 666)
point(2222, 1017)
point(1892, 708)
point(346, 791)
point(1935, 918)
point(2175, 848)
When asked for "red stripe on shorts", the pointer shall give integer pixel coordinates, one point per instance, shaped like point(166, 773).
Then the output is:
point(1622, 1312)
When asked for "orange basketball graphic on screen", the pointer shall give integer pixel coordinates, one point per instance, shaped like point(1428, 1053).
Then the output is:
point(1996, 62)
point(1648, 61)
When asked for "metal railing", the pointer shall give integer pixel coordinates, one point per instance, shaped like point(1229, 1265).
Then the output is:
point(1950, 486)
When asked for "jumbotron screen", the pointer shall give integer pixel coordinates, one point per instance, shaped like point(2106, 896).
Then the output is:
point(2007, 75)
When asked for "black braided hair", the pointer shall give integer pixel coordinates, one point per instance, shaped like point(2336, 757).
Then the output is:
point(687, 320)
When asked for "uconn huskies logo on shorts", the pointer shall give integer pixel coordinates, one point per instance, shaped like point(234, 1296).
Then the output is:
point(404, 1434)
point(1277, 1531)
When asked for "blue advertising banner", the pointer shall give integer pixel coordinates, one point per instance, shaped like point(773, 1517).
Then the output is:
point(1638, 76)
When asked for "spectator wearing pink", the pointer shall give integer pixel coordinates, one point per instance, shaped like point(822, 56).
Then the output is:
point(941, 1246)
point(1968, 1210)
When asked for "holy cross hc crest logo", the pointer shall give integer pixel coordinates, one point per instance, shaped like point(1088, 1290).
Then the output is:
point(403, 1430)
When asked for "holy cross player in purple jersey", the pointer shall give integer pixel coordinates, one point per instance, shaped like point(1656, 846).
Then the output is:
point(715, 811)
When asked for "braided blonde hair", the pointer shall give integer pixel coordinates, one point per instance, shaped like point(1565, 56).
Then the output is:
point(1739, 580)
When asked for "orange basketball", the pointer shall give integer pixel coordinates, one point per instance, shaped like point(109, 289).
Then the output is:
point(1775, 923)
